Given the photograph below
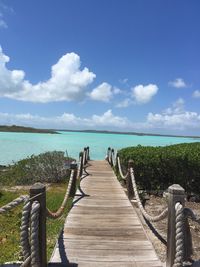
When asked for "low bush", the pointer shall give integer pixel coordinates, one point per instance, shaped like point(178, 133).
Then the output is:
point(49, 167)
point(156, 168)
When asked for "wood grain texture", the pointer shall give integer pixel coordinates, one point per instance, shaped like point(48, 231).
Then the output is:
point(102, 228)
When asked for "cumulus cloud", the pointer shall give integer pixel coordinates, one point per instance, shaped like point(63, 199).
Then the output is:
point(178, 83)
point(104, 92)
point(67, 81)
point(175, 118)
point(67, 120)
point(142, 94)
point(196, 94)
point(124, 103)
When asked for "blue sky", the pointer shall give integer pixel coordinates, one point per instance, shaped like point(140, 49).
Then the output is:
point(121, 65)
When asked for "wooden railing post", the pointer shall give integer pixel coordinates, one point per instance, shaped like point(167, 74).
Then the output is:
point(129, 184)
point(175, 194)
point(38, 191)
point(88, 153)
point(81, 163)
point(73, 167)
point(111, 156)
point(108, 154)
point(85, 155)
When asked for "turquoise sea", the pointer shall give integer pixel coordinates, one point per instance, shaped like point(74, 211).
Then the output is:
point(16, 146)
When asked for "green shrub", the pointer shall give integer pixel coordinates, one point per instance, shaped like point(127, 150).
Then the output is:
point(156, 168)
point(47, 167)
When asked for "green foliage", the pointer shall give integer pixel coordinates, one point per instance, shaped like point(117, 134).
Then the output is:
point(10, 222)
point(156, 168)
point(47, 167)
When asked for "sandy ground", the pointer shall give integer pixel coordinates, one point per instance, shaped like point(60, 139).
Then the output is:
point(154, 206)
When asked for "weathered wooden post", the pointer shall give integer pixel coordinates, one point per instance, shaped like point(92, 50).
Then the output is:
point(175, 194)
point(81, 163)
point(85, 155)
point(38, 191)
point(111, 156)
point(88, 153)
point(73, 167)
point(129, 184)
point(108, 154)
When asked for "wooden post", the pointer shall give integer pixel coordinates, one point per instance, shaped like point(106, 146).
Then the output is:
point(40, 189)
point(108, 154)
point(129, 184)
point(88, 153)
point(81, 163)
point(85, 157)
point(175, 194)
point(116, 166)
point(111, 153)
point(73, 166)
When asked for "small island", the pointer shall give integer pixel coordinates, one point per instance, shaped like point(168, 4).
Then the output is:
point(22, 129)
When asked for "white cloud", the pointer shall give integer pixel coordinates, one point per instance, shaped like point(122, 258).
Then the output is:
point(108, 119)
point(124, 103)
point(178, 83)
point(123, 81)
point(67, 120)
point(174, 118)
point(67, 81)
point(3, 24)
point(104, 92)
point(196, 94)
point(142, 94)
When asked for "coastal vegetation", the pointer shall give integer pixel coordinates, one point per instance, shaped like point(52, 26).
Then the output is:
point(22, 129)
point(156, 168)
point(49, 167)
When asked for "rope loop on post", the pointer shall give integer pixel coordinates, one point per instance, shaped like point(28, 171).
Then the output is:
point(178, 261)
point(24, 235)
point(34, 240)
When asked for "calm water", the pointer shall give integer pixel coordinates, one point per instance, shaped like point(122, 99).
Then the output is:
point(16, 146)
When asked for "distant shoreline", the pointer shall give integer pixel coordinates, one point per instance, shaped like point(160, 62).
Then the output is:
point(22, 129)
point(129, 133)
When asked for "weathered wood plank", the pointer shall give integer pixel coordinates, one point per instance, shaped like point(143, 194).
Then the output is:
point(102, 228)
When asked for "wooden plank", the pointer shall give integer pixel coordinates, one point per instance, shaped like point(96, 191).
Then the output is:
point(102, 228)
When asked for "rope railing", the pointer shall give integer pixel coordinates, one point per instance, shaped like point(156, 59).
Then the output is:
point(156, 218)
point(59, 212)
point(16, 202)
point(179, 255)
point(123, 176)
point(35, 212)
point(179, 241)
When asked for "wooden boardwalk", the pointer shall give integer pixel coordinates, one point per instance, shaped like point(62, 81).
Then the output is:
point(102, 228)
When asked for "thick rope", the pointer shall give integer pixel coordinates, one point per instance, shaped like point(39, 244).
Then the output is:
point(24, 235)
point(113, 158)
point(157, 218)
point(34, 238)
point(59, 212)
point(26, 263)
point(13, 204)
point(120, 170)
point(178, 261)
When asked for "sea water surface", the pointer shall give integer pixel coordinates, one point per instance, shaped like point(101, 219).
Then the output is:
point(16, 146)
